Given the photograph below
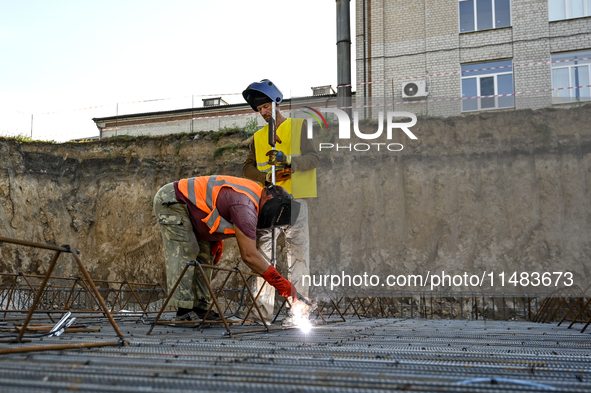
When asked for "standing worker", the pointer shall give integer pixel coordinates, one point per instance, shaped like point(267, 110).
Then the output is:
point(295, 161)
point(195, 215)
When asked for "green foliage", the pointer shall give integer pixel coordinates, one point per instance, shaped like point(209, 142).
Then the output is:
point(220, 150)
point(223, 132)
point(546, 131)
point(330, 117)
point(122, 137)
point(28, 139)
point(246, 131)
point(178, 147)
point(23, 138)
point(251, 126)
point(325, 136)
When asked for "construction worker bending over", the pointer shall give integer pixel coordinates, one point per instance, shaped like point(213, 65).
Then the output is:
point(195, 215)
point(296, 160)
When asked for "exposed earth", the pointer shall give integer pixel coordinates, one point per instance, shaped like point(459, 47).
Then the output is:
point(496, 192)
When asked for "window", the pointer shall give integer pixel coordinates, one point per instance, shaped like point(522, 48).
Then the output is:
point(487, 79)
point(571, 76)
point(567, 9)
point(214, 101)
point(484, 14)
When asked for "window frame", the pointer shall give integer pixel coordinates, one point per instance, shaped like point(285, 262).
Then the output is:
point(586, 10)
point(574, 94)
point(495, 76)
point(475, 17)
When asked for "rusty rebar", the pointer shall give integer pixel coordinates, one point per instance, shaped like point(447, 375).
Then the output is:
point(169, 297)
point(36, 245)
point(253, 299)
point(38, 295)
point(214, 299)
point(98, 296)
point(38, 348)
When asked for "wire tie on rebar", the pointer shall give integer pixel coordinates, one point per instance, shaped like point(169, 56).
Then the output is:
point(123, 343)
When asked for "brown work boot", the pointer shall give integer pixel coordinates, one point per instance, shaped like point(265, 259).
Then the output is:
point(185, 314)
point(212, 316)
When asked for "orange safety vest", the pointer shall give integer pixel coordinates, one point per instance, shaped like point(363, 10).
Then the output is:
point(203, 193)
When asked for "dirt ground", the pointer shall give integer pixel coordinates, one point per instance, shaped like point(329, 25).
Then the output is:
point(497, 192)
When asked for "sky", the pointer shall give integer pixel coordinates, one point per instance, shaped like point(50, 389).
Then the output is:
point(66, 62)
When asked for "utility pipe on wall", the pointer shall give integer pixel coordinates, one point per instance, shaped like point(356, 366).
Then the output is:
point(343, 53)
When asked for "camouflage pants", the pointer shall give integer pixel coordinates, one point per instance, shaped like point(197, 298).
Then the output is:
point(180, 246)
point(297, 244)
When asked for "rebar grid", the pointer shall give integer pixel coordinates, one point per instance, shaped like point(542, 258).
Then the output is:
point(220, 292)
point(367, 355)
point(86, 281)
point(571, 304)
point(369, 303)
point(72, 294)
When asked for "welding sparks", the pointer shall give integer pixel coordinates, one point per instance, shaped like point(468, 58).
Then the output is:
point(301, 312)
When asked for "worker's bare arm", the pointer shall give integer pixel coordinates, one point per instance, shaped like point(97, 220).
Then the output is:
point(249, 253)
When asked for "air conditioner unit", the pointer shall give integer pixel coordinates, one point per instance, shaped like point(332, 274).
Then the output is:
point(414, 89)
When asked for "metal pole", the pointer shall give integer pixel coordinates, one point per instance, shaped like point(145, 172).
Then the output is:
point(273, 177)
point(274, 125)
point(343, 54)
point(364, 64)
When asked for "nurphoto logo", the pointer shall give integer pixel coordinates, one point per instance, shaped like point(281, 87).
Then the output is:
point(345, 129)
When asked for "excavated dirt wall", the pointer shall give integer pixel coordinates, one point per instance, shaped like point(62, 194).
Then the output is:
point(495, 192)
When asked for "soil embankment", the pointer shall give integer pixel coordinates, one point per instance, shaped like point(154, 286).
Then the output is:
point(509, 191)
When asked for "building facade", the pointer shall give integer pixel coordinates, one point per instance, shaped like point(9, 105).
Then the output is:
point(206, 118)
point(430, 56)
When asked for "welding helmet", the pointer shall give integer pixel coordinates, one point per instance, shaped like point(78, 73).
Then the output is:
point(259, 93)
point(280, 210)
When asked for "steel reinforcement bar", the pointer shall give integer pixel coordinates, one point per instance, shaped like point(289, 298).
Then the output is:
point(40, 290)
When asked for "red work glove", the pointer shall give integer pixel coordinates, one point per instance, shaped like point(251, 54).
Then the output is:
point(281, 175)
point(284, 287)
point(217, 250)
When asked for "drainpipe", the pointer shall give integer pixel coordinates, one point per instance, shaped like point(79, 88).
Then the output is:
point(344, 54)
point(364, 64)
